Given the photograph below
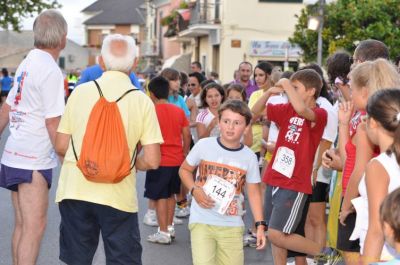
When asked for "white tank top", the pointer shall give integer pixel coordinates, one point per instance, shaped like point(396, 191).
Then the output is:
point(392, 168)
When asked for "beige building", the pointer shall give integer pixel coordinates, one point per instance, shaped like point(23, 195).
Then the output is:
point(222, 33)
point(14, 46)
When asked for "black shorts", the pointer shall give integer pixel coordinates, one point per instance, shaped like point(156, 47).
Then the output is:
point(80, 227)
point(162, 183)
point(300, 230)
point(4, 93)
point(344, 232)
point(320, 192)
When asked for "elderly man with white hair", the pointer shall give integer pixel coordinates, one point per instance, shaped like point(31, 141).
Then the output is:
point(33, 109)
point(88, 208)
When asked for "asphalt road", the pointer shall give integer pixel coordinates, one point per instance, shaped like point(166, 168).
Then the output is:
point(178, 253)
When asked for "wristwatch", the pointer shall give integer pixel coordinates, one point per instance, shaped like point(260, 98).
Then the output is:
point(258, 223)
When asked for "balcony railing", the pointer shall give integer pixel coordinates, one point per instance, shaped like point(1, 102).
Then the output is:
point(206, 12)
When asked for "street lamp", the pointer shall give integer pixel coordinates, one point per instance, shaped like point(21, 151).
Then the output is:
point(317, 23)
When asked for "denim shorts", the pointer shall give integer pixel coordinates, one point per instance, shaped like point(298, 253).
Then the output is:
point(10, 177)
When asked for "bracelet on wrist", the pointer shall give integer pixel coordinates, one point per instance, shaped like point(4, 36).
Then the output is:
point(258, 223)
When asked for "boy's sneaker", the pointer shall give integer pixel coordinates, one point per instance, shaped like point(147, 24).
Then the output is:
point(182, 212)
point(150, 218)
point(171, 231)
point(328, 256)
point(250, 239)
point(310, 261)
point(160, 238)
point(177, 221)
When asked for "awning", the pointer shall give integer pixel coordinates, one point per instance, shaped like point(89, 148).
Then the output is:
point(185, 13)
point(179, 62)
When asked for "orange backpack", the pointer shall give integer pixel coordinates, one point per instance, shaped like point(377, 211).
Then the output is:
point(104, 156)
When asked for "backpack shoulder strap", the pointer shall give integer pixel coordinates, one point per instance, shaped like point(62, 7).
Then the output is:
point(98, 88)
point(73, 148)
point(126, 93)
point(134, 155)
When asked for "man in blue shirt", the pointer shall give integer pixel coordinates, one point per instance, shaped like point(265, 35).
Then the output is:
point(6, 82)
point(93, 72)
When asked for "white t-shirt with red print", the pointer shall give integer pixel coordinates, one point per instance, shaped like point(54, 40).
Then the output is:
point(37, 94)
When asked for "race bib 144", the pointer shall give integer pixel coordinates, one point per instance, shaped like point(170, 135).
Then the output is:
point(221, 191)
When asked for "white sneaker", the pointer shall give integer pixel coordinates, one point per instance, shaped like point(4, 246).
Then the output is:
point(150, 218)
point(182, 212)
point(310, 261)
point(160, 238)
point(171, 231)
point(249, 241)
point(177, 221)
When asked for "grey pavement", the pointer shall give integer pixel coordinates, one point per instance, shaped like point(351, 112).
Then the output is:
point(179, 253)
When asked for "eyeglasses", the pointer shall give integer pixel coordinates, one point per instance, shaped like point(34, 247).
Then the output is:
point(192, 84)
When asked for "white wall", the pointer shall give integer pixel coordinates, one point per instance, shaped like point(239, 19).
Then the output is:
point(248, 21)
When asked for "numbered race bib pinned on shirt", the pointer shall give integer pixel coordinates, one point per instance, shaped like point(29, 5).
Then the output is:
point(221, 191)
point(284, 161)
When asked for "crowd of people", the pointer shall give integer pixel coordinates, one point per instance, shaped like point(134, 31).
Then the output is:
point(288, 143)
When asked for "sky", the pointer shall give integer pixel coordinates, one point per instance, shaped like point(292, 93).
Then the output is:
point(71, 10)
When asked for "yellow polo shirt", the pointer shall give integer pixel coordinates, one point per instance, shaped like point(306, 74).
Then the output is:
point(141, 125)
point(257, 128)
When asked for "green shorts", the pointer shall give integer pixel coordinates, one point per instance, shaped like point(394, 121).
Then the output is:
point(216, 245)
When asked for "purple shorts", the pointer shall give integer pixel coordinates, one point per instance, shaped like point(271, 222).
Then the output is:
point(10, 177)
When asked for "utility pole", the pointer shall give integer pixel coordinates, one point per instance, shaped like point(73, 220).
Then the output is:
point(320, 28)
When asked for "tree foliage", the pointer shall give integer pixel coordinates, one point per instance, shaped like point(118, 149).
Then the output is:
point(346, 22)
point(12, 12)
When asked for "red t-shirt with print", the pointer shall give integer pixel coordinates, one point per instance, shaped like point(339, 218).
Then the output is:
point(172, 120)
point(296, 137)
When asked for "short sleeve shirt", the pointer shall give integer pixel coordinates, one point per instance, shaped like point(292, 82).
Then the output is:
point(205, 117)
point(299, 135)
point(330, 131)
point(180, 102)
point(256, 127)
point(273, 129)
point(6, 83)
point(238, 166)
point(141, 125)
point(172, 120)
point(37, 94)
